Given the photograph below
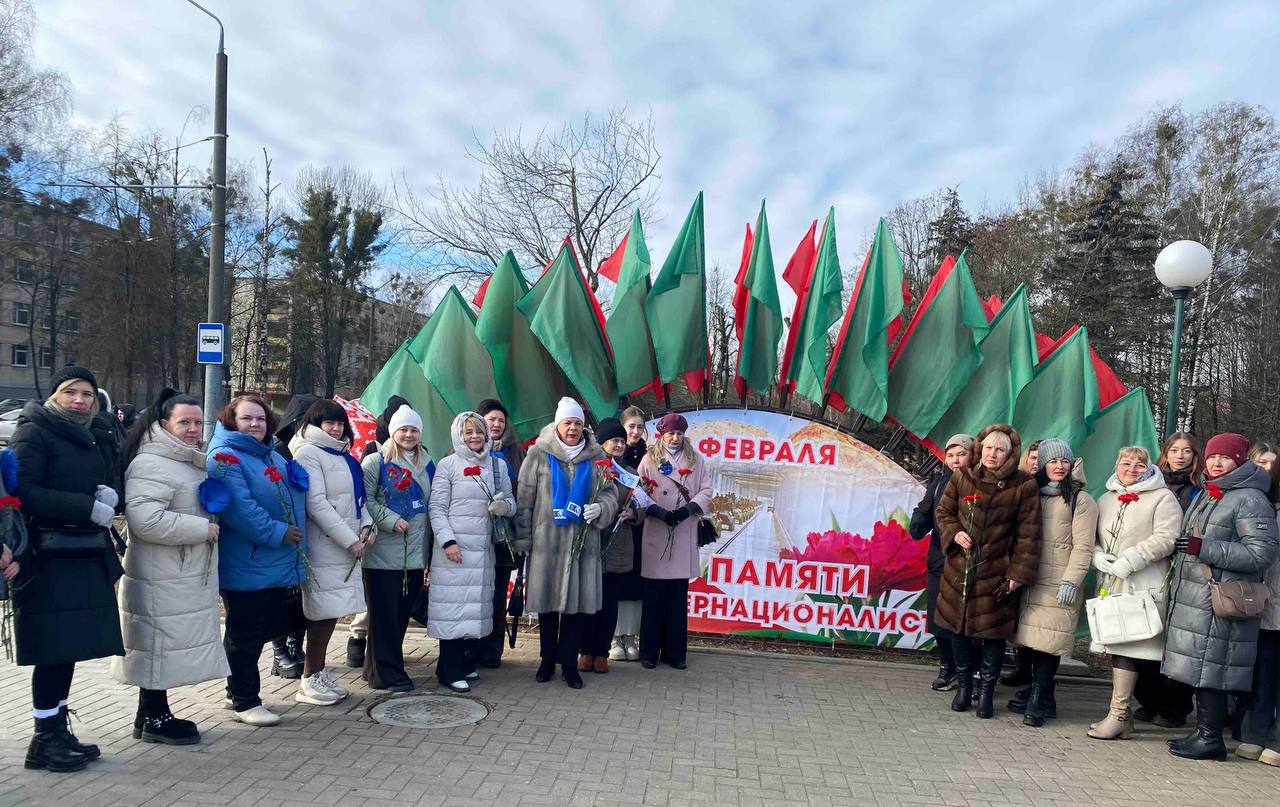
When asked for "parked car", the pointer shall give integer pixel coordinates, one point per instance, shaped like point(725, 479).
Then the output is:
point(9, 404)
point(8, 423)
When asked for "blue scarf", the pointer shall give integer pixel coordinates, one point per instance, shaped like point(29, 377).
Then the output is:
point(357, 477)
point(567, 502)
point(405, 503)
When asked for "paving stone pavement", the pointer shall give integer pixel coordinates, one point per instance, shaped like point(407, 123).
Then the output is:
point(731, 730)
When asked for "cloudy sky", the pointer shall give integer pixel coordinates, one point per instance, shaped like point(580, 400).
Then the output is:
point(851, 104)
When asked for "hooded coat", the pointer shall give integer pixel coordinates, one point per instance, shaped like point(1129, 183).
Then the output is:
point(1005, 528)
point(336, 589)
point(554, 580)
point(1144, 537)
point(168, 611)
point(461, 602)
point(289, 422)
point(680, 560)
point(252, 554)
point(1067, 532)
point(1239, 543)
point(394, 550)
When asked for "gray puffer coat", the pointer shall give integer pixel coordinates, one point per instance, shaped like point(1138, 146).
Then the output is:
point(1239, 532)
point(461, 602)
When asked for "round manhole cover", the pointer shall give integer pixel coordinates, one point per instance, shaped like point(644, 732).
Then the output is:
point(429, 712)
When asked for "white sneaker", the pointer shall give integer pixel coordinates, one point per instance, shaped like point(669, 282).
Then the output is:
point(460, 686)
point(618, 650)
point(473, 676)
point(258, 716)
point(313, 691)
point(633, 648)
point(328, 682)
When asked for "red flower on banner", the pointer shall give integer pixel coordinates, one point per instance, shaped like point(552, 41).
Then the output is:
point(896, 561)
point(471, 470)
point(1214, 491)
point(273, 474)
point(10, 503)
point(685, 471)
point(1127, 498)
point(225, 458)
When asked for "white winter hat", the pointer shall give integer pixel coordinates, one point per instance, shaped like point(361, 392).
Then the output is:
point(569, 408)
point(404, 416)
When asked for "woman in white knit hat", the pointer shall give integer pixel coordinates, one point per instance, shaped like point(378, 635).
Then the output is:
point(556, 503)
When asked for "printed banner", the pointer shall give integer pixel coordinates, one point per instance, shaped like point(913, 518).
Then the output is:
point(813, 541)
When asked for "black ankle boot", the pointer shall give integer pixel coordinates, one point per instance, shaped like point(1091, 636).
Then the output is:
point(946, 680)
point(1034, 711)
point(49, 749)
point(988, 675)
point(1018, 703)
point(545, 669)
point(1211, 718)
point(283, 664)
point(88, 749)
point(571, 676)
point(168, 730)
point(964, 694)
point(355, 652)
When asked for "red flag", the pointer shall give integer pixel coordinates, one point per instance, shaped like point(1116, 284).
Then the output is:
point(992, 306)
point(1110, 387)
point(740, 291)
point(478, 300)
point(797, 275)
point(613, 264)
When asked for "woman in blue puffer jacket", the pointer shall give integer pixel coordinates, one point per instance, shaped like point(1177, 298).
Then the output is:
point(261, 555)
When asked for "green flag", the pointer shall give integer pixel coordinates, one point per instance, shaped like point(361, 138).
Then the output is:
point(627, 327)
point(1061, 398)
point(939, 350)
point(1126, 422)
point(1008, 362)
point(821, 310)
point(528, 382)
point(676, 307)
point(402, 375)
point(561, 314)
point(761, 316)
point(858, 375)
point(455, 361)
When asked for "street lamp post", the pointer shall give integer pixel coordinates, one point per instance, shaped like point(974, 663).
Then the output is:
point(1181, 267)
point(215, 373)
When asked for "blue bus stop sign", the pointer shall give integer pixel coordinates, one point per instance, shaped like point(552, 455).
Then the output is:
point(211, 343)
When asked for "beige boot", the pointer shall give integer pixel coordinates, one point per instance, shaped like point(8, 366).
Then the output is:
point(1128, 719)
point(1116, 725)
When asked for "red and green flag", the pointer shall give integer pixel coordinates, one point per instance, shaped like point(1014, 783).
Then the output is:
point(1126, 422)
point(858, 373)
point(808, 368)
point(1008, 362)
point(676, 308)
point(403, 375)
point(939, 351)
point(627, 326)
point(528, 381)
point(1061, 399)
point(563, 314)
point(759, 315)
point(796, 275)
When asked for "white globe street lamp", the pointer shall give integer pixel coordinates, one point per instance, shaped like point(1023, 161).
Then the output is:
point(1181, 266)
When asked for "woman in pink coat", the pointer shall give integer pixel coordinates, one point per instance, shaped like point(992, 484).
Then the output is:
point(677, 480)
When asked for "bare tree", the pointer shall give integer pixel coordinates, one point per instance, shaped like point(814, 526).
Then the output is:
point(30, 97)
point(581, 181)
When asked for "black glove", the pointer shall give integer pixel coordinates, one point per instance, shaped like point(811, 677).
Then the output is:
point(676, 516)
point(292, 535)
point(654, 511)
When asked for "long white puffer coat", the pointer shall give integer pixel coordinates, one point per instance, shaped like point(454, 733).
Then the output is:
point(333, 527)
point(461, 602)
point(168, 612)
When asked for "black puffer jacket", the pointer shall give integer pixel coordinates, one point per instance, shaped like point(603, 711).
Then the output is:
point(298, 406)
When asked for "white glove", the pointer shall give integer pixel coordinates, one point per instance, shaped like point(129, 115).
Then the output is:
point(107, 496)
point(1103, 561)
point(1122, 568)
point(591, 513)
point(499, 507)
point(102, 514)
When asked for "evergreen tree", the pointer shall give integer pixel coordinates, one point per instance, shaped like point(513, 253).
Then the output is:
point(952, 232)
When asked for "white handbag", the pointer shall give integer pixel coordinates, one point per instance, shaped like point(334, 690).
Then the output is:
point(1128, 617)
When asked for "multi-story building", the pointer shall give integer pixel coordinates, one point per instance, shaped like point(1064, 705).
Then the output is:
point(275, 350)
point(44, 252)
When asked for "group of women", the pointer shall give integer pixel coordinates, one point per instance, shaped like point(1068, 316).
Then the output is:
point(291, 538)
point(1185, 548)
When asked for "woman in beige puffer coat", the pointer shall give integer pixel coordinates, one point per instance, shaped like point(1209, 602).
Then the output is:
point(1051, 606)
point(169, 594)
point(336, 518)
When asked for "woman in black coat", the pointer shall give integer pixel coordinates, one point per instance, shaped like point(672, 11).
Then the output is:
point(955, 455)
point(64, 604)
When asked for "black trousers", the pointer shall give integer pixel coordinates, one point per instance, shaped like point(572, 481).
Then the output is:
point(983, 656)
point(1155, 692)
point(51, 684)
point(559, 637)
point(488, 649)
point(253, 619)
point(664, 621)
point(453, 664)
point(388, 608)
point(1261, 726)
point(597, 633)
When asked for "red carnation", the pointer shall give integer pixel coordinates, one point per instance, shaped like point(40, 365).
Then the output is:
point(404, 483)
point(229, 459)
point(972, 498)
point(896, 561)
point(1127, 498)
point(604, 463)
point(471, 470)
point(685, 471)
point(10, 503)
point(273, 474)
point(1214, 491)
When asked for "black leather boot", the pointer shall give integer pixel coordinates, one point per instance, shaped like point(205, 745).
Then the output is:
point(49, 749)
point(1211, 719)
point(168, 730)
point(295, 647)
point(355, 652)
point(545, 669)
point(988, 677)
point(1018, 703)
point(963, 698)
point(88, 749)
point(283, 663)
